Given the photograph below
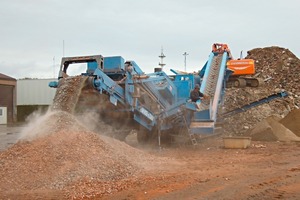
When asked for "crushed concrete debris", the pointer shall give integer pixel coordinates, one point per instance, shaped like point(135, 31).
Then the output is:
point(280, 69)
point(59, 153)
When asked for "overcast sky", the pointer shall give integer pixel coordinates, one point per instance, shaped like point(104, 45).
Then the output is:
point(33, 31)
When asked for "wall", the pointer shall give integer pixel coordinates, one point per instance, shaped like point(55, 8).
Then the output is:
point(34, 95)
point(35, 92)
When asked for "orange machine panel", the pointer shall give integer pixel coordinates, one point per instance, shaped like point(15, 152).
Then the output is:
point(241, 67)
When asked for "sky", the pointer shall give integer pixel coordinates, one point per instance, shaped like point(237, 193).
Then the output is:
point(36, 34)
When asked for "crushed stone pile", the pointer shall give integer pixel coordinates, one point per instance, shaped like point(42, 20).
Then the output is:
point(271, 129)
point(62, 157)
point(59, 153)
point(292, 121)
point(280, 69)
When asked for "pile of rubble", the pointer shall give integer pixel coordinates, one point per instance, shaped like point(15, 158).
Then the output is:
point(59, 153)
point(291, 121)
point(66, 156)
point(280, 69)
point(276, 129)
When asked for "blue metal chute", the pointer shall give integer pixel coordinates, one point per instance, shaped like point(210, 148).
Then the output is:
point(135, 68)
point(202, 71)
point(104, 82)
point(206, 73)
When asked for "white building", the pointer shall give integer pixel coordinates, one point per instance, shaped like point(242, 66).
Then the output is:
point(32, 95)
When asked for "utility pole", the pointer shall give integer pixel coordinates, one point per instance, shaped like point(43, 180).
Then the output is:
point(185, 54)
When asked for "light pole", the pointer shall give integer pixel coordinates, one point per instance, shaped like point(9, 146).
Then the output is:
point(185, 54)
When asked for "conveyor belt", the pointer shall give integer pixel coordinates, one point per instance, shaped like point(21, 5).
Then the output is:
point(248, 106)
point(212, 80)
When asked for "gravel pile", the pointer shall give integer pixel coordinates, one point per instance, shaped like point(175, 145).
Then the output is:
point(61, 157)
point(67, 157)
point(280, 69)
point(57, 152)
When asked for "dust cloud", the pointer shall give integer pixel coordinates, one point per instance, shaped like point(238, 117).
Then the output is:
point(51, 122)
point(37, 125)
point(76, 107)
point(60, 115)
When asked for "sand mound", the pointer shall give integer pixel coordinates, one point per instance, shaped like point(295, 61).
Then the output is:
point(262, 132)
point(271, 129)
point(292, 121)
point(281, 132)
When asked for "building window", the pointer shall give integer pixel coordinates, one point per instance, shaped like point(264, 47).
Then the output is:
point(0, 111)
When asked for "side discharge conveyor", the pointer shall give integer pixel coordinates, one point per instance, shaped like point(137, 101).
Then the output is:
point(253, 104)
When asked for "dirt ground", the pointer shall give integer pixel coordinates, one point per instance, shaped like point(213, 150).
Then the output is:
point(265, 170)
